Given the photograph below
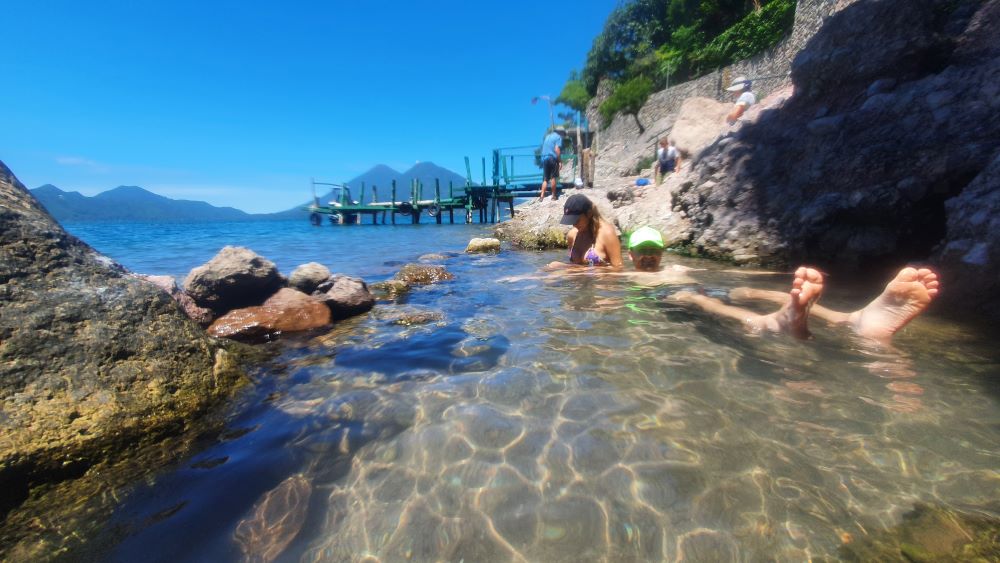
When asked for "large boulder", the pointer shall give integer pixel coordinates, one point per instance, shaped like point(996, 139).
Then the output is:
point(345, 296)
point(699, 123)
point(200, 315)
point(236, 277)
point(882, 156)
point(288, 310)
point(92, 360)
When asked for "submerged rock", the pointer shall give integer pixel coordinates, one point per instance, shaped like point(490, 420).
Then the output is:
point(418, 274)
point(345, 296)
point(484, 245)
point(92, 360)
point(408, 315)
point(236, 277)
point(275, 520)
point(289, 310)
point(930, 533)
point(390, 289)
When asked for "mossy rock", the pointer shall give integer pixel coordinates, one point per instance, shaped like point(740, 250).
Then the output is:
point(931, 533)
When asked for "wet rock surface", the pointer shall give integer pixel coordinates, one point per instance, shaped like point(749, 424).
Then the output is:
point(236, 277)
point(92, 360)
point(288, 310)
point(483, 245)
point(345, 296)
point(930, 533)
point(418, 274)
point(390, 290)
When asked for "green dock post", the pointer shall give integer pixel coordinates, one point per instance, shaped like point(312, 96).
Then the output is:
point(437, 199)
point(392, 204)
point(451, 197)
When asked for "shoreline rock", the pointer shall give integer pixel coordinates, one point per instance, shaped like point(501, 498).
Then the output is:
point(92, 360)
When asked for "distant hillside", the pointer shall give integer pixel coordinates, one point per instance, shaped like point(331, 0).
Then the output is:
point(382, 176)
point(131, 204)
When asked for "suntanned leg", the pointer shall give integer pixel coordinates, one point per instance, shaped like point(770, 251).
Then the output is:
point(905, 297)
point(793, 317)
point(818, 311)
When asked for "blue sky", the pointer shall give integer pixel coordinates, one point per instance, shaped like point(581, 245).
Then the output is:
point(241, 103)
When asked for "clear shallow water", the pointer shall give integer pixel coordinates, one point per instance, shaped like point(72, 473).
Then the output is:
point(577, 420)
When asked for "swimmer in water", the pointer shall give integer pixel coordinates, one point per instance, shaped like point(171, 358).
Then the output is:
point(592, 240)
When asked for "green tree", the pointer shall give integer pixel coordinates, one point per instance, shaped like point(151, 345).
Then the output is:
point(628, 97)
point(574, 95)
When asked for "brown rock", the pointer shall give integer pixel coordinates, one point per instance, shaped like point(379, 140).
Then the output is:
point(289, 310)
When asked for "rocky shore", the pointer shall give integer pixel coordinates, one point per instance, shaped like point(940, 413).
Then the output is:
point(879, 150)
point(102, 371)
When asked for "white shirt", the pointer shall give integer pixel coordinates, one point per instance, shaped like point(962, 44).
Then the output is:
point(746, 99)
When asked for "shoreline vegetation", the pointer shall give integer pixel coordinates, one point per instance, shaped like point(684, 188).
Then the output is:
point(806, 174)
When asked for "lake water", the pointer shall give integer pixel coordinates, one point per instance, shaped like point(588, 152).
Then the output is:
point(584, 419)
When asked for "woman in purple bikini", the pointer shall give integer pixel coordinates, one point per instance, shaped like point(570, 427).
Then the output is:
point(592, 240)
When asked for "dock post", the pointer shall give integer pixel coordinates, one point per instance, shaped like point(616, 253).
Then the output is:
point(392, 204)
point(415, 214)
point(451, 196)
point(437, 198)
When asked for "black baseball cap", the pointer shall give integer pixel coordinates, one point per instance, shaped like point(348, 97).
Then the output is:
point(576, 205)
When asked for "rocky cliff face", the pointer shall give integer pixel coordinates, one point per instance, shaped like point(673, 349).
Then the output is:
point(91, 360)
point(884, 150)
point(881, 156)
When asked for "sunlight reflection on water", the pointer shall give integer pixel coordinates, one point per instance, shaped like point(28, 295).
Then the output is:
point(583, 420)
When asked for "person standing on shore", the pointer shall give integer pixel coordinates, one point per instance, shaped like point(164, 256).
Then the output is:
point(551, 151)
point(744, 100)
point(668, 159)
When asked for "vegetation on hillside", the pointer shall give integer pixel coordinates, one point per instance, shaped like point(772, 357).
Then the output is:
point(653, 42)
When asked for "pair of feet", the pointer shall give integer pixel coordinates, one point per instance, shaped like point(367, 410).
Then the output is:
point(904, 297)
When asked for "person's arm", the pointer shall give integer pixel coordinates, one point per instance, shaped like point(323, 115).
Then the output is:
point(737, 112)
point(677, 165)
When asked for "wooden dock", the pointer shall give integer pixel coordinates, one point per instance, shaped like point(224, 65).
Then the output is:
point(508, 182)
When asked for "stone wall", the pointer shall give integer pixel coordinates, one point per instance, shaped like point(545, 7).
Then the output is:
point(620, 146)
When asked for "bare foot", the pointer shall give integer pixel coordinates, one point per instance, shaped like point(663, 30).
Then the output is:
point(793, 317)
point(905, 297)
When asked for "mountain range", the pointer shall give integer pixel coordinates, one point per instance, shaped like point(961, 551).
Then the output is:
point(134, 204)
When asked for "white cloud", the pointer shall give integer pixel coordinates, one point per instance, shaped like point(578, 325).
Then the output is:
point(79, 161)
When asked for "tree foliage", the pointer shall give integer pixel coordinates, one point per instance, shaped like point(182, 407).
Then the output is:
point(628, 97)
point(574, 95)
point(680, 39)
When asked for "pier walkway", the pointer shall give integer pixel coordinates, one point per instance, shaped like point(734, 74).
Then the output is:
point(515, 174)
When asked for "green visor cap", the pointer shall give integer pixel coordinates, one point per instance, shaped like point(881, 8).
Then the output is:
point(645, 236)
